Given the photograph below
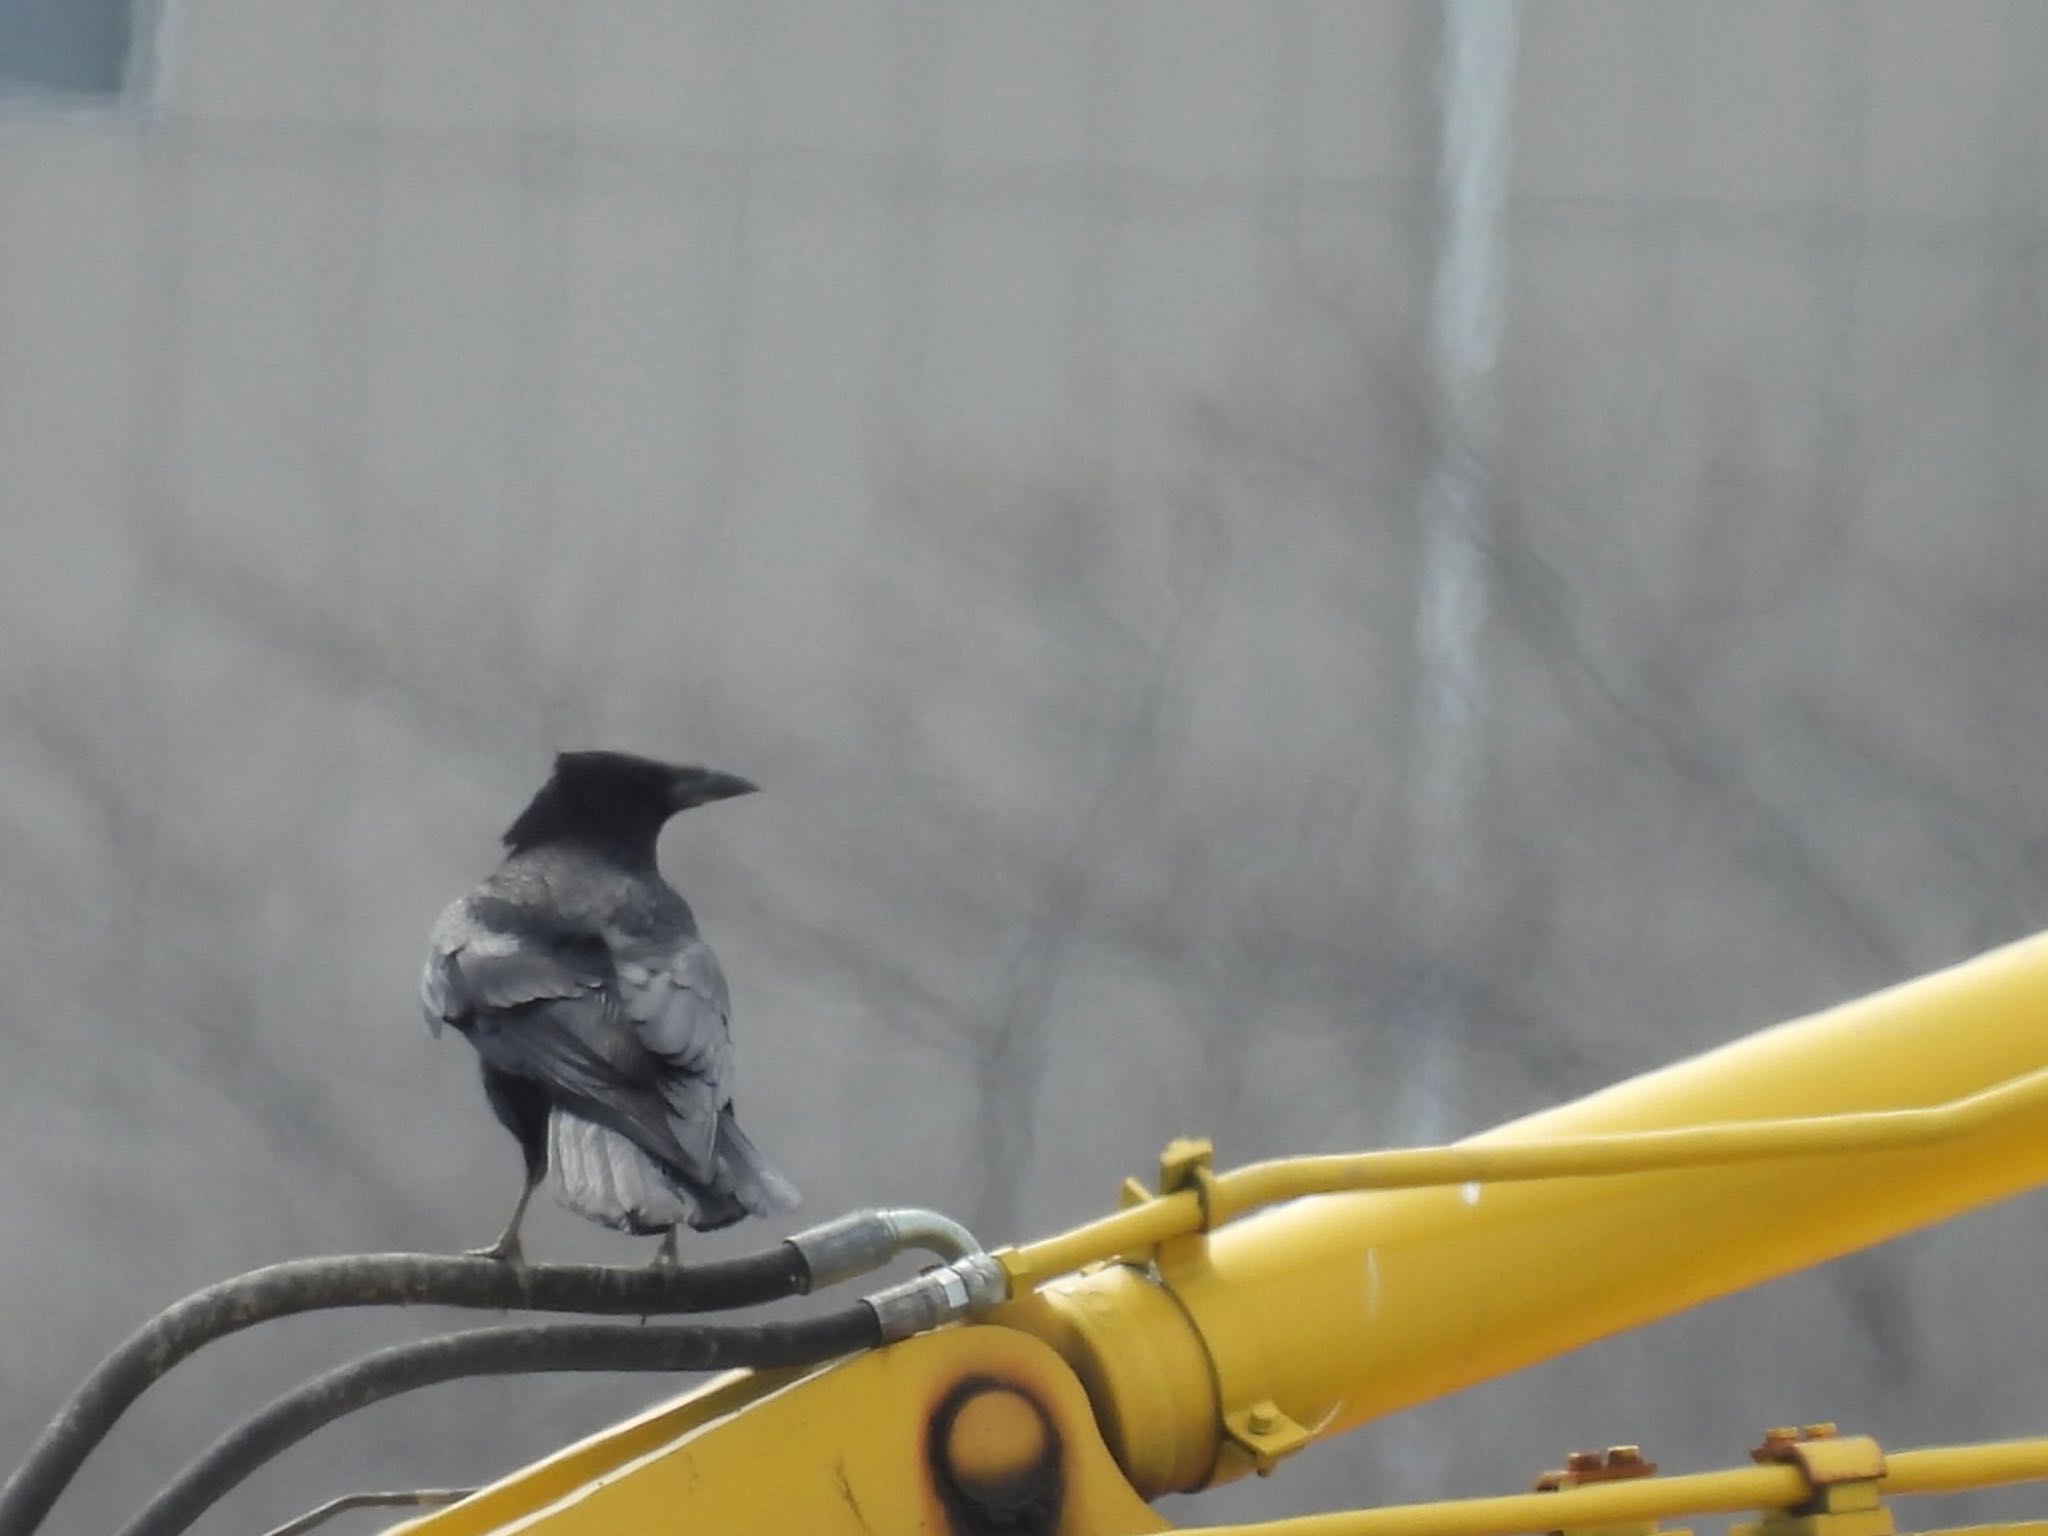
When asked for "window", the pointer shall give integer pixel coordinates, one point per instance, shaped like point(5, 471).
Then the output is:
point(69, 48)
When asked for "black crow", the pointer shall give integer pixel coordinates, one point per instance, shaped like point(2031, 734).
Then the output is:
point(598, 1013)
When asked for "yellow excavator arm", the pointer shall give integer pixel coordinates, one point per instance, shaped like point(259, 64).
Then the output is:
point(1212, 1327)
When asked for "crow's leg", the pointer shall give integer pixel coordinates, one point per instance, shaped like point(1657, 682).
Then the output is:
point(522, 1108)
point(506, 1249)
point(665, 1255)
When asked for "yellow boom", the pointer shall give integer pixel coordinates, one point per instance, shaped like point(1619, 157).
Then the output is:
point(1207, 1330)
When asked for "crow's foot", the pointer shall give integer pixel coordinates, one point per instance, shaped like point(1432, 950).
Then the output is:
point(505, 1250)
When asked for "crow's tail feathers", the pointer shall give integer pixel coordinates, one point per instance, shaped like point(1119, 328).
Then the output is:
point(754, 1181)
point(610, 1178)
point(602, 1175)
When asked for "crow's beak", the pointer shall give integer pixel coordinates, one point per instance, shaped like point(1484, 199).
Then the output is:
point(701, 786)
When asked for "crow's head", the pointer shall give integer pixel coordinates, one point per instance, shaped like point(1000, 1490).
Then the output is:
point(615, 800)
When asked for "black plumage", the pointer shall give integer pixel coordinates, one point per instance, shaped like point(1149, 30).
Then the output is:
point(599, 1014)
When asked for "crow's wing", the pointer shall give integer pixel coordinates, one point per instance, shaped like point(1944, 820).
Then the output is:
point(676, 995)
point(640, 1046)
point(677, 999)
point(474, 968)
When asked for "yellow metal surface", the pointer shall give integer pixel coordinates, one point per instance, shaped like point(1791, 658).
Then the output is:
point(1600, 1504)
point(931, 1437)
point(1143, 1223)
point(537, 1486)
point(1339, 1309)
point(1145, 1370)
point(1774, 1487)
point(1952, 1469)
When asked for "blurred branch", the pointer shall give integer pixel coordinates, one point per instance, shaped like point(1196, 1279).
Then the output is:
point(1539, 605)
point(1129, 761)
point(212, 1036)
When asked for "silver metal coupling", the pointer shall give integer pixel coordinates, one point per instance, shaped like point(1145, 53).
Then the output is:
point(939, 1296)
point(930, 1232)
point(863, 1241)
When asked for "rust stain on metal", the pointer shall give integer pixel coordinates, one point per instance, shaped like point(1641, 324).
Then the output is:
point(1620, 1463)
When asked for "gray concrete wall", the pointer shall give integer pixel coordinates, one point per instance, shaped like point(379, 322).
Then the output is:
point(1311, 573)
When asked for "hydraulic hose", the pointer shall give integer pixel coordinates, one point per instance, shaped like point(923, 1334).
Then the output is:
point(495, 1352)
point(823, 1255)
point(367, 1280)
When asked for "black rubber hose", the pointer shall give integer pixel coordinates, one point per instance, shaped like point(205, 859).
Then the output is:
point(495, 1352)
point(368, 1280)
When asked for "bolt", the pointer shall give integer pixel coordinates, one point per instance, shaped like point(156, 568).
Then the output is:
point(996, 1436)
point(1263, 1419)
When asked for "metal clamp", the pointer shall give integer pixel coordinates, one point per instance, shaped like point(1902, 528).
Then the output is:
point(1842, 1474)
point(1621, 1463)
point(1189, 1163)
point(1255, 1427)
point(1265, 1434)
point(1826, 1455)
point(1581, 1469)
